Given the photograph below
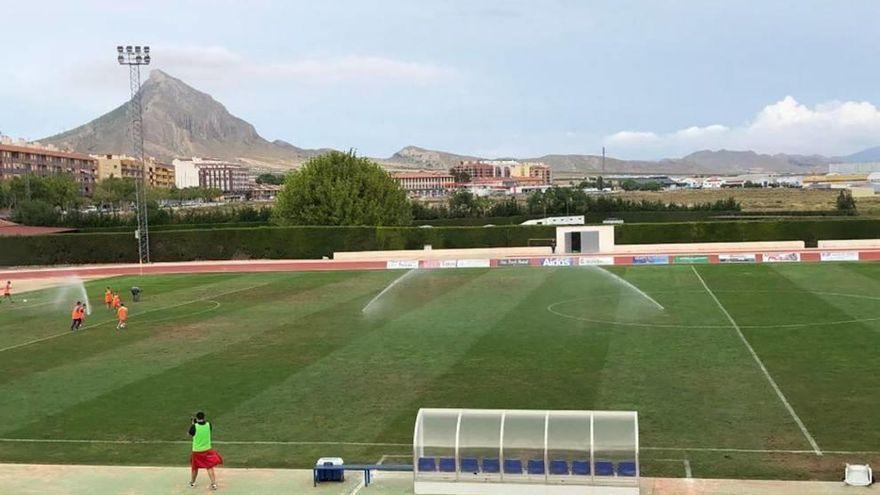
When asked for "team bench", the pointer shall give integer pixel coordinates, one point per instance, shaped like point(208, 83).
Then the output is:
point(319, 473)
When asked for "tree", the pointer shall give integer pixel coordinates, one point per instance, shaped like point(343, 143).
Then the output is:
point(114, 192)
point(341, 189)
point(846, 203)
point(35, 212)
point(272, 179)
point(461, 176)
point(600, 183)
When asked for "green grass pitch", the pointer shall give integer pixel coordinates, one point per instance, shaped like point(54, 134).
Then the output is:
point(289, 368)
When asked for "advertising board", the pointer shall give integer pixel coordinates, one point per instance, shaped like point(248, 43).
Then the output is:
point(651, 259)
point(781, 257)
point(737, 258)
point(402, 264)
point(595, 260)
point(839, 256)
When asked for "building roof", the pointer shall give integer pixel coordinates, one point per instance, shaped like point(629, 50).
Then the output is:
point(45, 151)
point(420, 174)
point(8, 228)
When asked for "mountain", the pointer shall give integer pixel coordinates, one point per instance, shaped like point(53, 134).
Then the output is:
point(868, 155)
point(415, 157)
point(701, 162)
point(180, 121)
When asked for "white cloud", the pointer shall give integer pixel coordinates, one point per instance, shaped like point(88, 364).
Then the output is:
point(787, 126)
point(218, 66)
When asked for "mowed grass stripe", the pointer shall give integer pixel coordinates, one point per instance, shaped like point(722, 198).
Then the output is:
point(383, 371)
point(828, 372)
point(522, 355)
point(757, 359)
point(92, 338)
point(49, 320)
point(691, 385)
point(131, 357)
point(218, 380)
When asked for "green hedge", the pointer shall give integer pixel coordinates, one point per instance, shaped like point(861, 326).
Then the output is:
point(315, 242)
point(252, 243)
point(809, 231)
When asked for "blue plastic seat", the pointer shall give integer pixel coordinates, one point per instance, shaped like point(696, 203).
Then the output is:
point(491, 465)
point(560, 467)
point(447, 465)
point(427, 464)
point(580, 468)
point(513, 466)
point(469, 465)
point(626, 468)
point(604, 468)
point(536, 466)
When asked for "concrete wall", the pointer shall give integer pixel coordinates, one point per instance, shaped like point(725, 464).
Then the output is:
point(844, 244)
point(708, 247)
point(439, 254)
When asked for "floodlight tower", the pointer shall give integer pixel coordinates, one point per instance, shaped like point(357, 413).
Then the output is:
point(134, 57)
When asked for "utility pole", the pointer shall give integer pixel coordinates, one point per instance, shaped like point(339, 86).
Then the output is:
point(134, 57)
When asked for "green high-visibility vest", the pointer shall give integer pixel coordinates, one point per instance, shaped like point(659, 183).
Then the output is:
point(202, 438)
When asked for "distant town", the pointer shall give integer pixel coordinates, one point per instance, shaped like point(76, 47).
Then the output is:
point(482, 178)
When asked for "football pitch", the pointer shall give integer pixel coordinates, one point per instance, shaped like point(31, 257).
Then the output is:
point(742, 371)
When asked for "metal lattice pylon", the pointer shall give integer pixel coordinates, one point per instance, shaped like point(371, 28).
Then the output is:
point(134, 60)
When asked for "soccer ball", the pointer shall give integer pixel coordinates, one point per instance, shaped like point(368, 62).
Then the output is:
point(24, 300)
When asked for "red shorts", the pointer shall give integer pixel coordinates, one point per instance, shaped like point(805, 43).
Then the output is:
point(205, 459)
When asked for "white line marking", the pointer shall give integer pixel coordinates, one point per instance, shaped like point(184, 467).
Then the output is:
point(797, 419)
point(386, 289)
point(374, 444)
point(186, 442)
point(206, 298)
point(686, 463)
point(357, 487)
point(27, 305)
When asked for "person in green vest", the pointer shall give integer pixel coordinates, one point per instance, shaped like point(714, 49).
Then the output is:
point(203, 456)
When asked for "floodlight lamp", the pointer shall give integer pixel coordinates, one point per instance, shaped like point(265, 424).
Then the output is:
point(121, 59)
point(146, 49)
point(137, 49)
point(119, 48)
point(128, 49)
point(137, 59)
point(147, 59)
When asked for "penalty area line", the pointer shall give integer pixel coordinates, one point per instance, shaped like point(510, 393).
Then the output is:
point(206, 298)
point(773, 384)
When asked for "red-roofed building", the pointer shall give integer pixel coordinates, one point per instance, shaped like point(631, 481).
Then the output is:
point(18, 159)
point(424, 183)
point(10, 228)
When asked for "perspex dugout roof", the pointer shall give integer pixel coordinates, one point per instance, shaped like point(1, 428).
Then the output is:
point(509, 448)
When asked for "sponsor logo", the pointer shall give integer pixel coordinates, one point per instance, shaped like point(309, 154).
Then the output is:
point(839, 256)
point(556, 262)
point(693, 259)
point(781, 257)
point(595, 260)
point(472, 263)
point(737, 258)
point(653, 259)
point(513, 262)
point(402, 264)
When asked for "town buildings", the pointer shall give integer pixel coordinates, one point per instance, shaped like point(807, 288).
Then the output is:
point(19, 158)
point(424, 183)
point(205, 172)
point(126, 167)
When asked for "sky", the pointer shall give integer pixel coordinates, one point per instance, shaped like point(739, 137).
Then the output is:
point(646, 79)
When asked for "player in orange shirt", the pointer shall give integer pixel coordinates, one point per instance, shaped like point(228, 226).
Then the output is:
point(7, 292)
point(77, 316)
point(108, 298)
point(121, 316)
point(116, 301)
